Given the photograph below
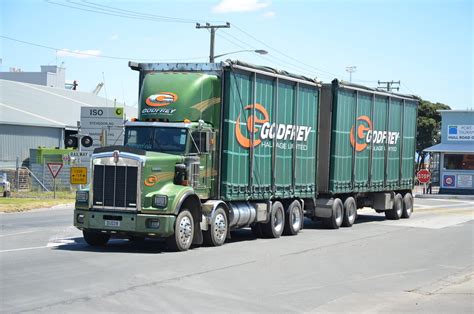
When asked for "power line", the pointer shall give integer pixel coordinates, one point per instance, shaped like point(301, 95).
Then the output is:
point(94, 55)
point(106, 7)
point(139, 16)
point(389, 85)
point(284, 54)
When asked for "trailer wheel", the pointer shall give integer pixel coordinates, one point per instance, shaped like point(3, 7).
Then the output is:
point(396, 212)
point(274, 227)
point(183, 235)
point(257, 230)
point(293, 219)
point(217, 232)
point(350, 212)
point(407, 205)
point(94, 238)
point(335, 221)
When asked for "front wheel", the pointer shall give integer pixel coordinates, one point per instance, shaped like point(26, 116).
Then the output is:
point(217, 232)
point(183, 235)
point(94, 238)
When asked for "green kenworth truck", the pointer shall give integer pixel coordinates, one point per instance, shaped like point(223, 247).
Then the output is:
point(221, 146)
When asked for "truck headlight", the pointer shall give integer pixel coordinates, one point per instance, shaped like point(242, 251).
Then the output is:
point(82, 196)
point(160, 201)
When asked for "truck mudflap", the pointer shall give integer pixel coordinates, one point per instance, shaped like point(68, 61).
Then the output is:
point(125, 223)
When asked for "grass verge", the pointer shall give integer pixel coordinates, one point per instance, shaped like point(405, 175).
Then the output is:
point(31, 200)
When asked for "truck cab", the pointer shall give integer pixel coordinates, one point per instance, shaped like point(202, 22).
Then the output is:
point(167, 164)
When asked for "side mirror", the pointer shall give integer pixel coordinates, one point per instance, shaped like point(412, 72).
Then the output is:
point(180, 175)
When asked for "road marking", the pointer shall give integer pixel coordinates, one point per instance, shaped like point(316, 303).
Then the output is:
point(14, 234)
point(56, 243)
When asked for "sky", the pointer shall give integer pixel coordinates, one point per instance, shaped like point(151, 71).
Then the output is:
point(427, 45)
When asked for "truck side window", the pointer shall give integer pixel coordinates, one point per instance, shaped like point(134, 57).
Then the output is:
point(200, 140)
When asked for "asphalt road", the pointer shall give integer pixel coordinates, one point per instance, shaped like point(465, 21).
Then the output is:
point(424, 264)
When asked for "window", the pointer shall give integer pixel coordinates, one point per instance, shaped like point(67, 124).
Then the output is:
point(459, 161)
point(158, 139)
point(199, 138)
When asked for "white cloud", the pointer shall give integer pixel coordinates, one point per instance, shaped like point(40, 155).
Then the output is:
point(226, 6)
point(269, 14)
point(114, 37)
point(78, 53)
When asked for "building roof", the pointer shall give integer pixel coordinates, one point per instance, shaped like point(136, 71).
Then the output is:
point(463, 111)
point(451, 148)
point(36, 105)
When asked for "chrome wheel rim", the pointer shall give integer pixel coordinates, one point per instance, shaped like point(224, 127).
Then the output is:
point(339, 216)
point(220, 227)
point(185, 231)
point(278, 221)
point(296, 218)
point(352, 215)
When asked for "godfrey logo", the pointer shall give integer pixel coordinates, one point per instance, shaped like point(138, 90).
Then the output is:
point(268, 130)
point(162, 99)
point(365, 135)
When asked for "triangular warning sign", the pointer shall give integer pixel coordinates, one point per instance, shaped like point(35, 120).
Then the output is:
point(54, 168)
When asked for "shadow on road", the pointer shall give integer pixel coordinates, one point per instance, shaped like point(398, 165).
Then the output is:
point(153, 246)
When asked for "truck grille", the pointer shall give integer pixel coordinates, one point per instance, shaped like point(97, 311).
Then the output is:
point(115, 186)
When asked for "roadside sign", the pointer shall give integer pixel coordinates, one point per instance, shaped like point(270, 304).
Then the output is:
point(78, 175)
point(79, 154)
point(54, 168)
point(424, 176)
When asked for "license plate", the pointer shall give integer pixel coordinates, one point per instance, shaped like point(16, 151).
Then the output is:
point(112, 223)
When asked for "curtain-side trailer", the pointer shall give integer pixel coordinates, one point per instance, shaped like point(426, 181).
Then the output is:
point(223, 146)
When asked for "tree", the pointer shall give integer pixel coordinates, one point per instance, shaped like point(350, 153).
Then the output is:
point(428, 127)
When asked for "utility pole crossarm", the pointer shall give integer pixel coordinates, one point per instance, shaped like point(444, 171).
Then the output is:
point(213, 29)
point(389, 85)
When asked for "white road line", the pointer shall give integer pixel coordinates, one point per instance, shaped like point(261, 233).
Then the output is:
point(56, 243)
point(14, 234)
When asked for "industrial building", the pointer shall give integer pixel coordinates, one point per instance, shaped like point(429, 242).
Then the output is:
point(37, 110)
point(455, 153)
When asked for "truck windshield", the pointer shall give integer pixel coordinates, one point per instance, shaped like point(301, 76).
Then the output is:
point(157, 139)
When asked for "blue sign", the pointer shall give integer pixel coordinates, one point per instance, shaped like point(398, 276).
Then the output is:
point(453, 129)
point(449, 181)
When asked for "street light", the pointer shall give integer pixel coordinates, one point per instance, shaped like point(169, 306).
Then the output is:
point(259, 51)
point(351, 69)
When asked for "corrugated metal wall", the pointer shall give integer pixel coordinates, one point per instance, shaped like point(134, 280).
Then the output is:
point(16, 140)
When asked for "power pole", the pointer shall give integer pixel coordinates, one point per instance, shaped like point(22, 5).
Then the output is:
point(213, 29)
point(388, 86)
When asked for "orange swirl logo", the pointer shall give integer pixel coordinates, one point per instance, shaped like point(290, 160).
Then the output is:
point(251, 120)
point(362, 130)
point(162, 99)
point(151, 180)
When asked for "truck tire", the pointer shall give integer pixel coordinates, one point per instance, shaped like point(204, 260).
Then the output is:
point(257, 230)
point(94, 238)
point(407, 205)
point(275, 225)
point(350, 212)
point(335, 221)
point(217, 232)
point(183, 235)
point(293, 219)
point(396, 212)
